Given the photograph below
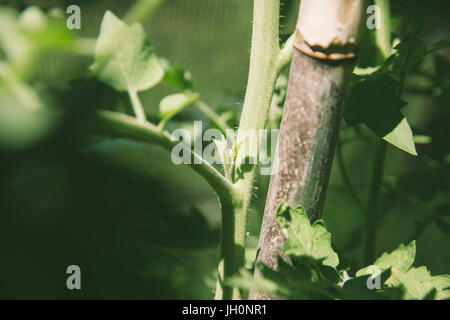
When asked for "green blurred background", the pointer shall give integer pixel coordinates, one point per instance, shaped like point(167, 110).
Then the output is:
point(140, 227)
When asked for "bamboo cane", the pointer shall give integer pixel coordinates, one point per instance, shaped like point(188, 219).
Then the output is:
point(327, 36)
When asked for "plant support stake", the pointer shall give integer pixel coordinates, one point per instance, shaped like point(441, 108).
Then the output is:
point(326, 42)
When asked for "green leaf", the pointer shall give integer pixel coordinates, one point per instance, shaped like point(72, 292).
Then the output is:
point(25, 119)
point(422, 139)
point(298, 281)
point(25, 37)
point(175, 103)
point(420, 284)
point(304, 239)
point(312, 274)
point(124, 59)
point(401, 259)
point(373, 101)
point(402, 137)
point(176, 76)
point(417, 283)
point(442, 285)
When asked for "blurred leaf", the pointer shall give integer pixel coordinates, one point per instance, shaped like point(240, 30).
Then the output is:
point(422, 139)
point(177, 77)
point(33, 19)
point(443, 44)
point(25, 37)
point(397, 60)
point(175, 103)
point(25, 95)
point(372, 100)
point(124, 59)
point(420, 50)
point(24, 119)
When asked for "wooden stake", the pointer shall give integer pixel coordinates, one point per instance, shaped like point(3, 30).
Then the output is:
point(320, 73)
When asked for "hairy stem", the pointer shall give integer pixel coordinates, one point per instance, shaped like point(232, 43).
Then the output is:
point(264, 64)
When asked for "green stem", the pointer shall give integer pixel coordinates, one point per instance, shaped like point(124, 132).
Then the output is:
point(137, 106)
point(285, 55)
point(383, 39)
point(383, 35)
point(212, 115)
point(126, 126)
point(141, 10)
point(264, 65)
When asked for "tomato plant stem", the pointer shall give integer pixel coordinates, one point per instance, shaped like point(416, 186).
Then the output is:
point(265, 61)
point(383, 34)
